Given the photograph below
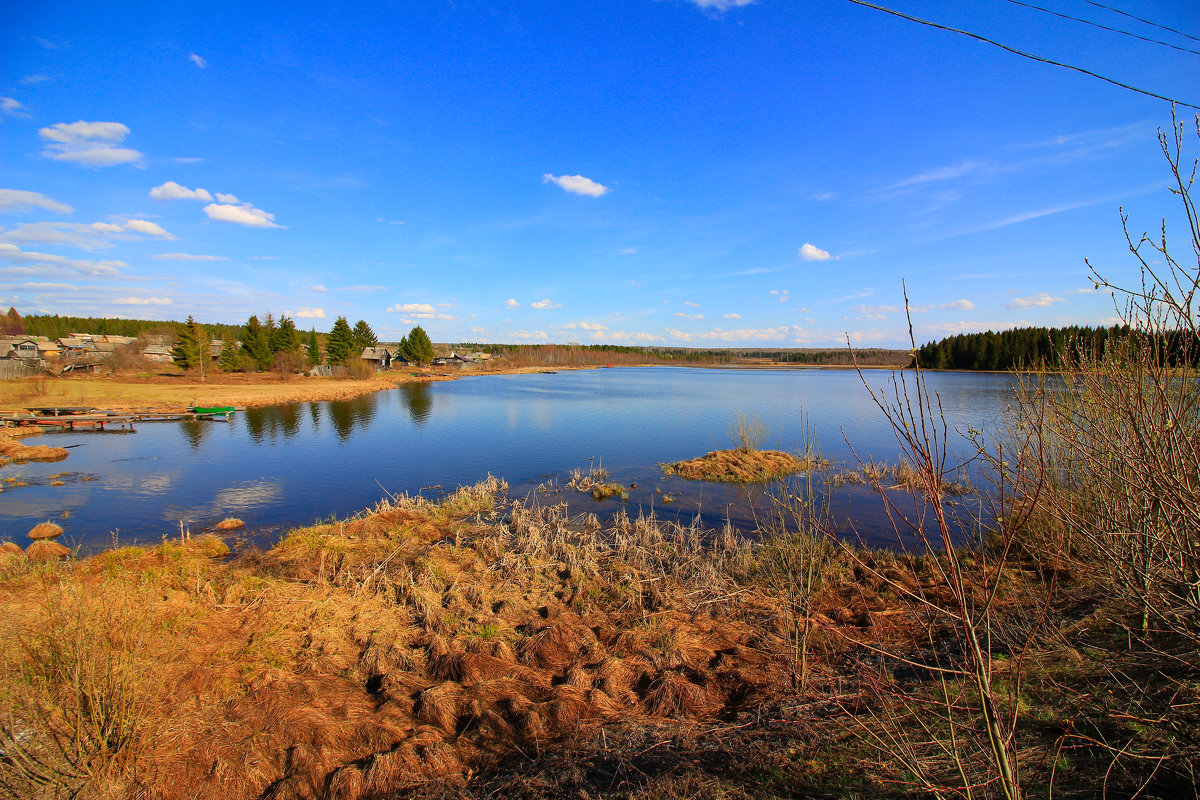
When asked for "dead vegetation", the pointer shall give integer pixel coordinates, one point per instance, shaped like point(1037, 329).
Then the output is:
point(743, 466)
point(14, 452)
point(418, 644)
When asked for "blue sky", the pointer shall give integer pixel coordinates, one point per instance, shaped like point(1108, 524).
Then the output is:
point(677, 172)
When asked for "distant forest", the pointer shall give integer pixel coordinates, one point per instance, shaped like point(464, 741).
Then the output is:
point(55, 327)
point(1026, 348)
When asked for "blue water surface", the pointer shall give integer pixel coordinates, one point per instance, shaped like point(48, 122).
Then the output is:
point(289, 465)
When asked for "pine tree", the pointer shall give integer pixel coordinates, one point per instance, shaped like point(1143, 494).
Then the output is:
point(257, 345)
point(192, 349)
point(363, 335)
point(231, 358)
point(285, 339)
point(340, 344)
point(314, 348)
point(402, 350)
point(419, 348)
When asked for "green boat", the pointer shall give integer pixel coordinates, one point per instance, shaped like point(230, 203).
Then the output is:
point(213, 411)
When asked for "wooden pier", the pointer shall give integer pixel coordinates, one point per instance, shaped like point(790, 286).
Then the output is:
point(62, 418)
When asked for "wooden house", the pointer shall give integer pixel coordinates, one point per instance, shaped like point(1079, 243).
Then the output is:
point(378, 357)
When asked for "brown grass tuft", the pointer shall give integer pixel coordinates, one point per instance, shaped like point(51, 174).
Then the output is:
point(45, 530)
point(46, 550)
point(11, 548)
point(672, 695)
point(742, 466)
point(229, 524)
point(18, 453)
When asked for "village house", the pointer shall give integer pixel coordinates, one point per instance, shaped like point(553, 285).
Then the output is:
point(378, 357)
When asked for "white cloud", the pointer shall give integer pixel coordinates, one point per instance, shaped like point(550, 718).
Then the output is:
point(583, 326)
point(731, 316)
point(25, 261)
point(634, 336)
point(83, 235)
point(147, 227)
point(721, 5)
point(13, 108)
point(318, 288)
point(961, 305)
point(511, 303)
point(173, 191)
point(244, 214)
point(690, 303)
point(1039, 300)
point(143, 301)
point(197, 60)
point(682, 315)
point(418, 311)
point(19, 200)
point(576, 184)
point(810, 252)
point(92, 144)
point(963, 326)
point(741, 335)
point(309, 313)
point(528, 334)
point(544, 304)
point(227, 198)
point(187, 257)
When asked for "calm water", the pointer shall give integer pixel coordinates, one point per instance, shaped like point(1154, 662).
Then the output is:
point(289, 465)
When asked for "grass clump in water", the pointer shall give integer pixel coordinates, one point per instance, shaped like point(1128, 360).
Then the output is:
point(742, 466)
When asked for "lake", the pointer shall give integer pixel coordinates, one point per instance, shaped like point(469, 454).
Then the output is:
point(284, 466)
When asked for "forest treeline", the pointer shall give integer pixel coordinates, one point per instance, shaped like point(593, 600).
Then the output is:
point(1038, 347)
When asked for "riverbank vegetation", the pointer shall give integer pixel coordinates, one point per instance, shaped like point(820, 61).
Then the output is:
point(482, 647)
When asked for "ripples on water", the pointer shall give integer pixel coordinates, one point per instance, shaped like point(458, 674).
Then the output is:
point(288, 465)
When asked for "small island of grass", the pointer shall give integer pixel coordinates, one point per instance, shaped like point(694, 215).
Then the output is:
point(742, 466)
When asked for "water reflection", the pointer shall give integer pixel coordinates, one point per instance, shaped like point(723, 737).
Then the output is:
point(268, 422)
point(194, 431)
point(419, 399)
point(346, 415)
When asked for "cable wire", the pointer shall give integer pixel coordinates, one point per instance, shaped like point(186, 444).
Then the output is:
point(1144, 21)
point(1104, 27)
point(1020, 53)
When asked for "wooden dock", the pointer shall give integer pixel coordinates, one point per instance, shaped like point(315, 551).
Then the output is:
point(61, 418)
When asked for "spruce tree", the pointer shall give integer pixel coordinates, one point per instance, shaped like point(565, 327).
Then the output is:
point(363, 335)
point(340, 344)
point(257, 345)
point(192, 349)
point(11, 324)
point(314, 348)
point(231, 358)
point(285, 339)
point(420, 348)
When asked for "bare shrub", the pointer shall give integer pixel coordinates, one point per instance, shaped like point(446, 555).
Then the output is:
point(747, 433)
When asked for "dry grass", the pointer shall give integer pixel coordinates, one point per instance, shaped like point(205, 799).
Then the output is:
point(46, 550)
point(45, 530)
point(14, 452)
point(229, 524)
point(743, 466)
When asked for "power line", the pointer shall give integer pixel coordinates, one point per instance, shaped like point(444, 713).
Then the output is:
point(1020, 53)
point(1104, 27)
point(1144, 21)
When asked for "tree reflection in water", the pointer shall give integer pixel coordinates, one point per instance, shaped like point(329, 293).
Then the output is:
point(346, 415)
point(271, 421)
point(194, 430)
point(419, 399)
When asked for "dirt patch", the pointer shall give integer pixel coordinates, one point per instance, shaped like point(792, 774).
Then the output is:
point(741, 466)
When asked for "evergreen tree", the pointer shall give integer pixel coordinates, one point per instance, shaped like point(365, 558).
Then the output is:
point(231, 358)
point(402, 349)
point(285, 338)
point(314, 348)
point(192, 349)
point(257, 345)
point(419, 349)
point(340, 344)
point(364, 336)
